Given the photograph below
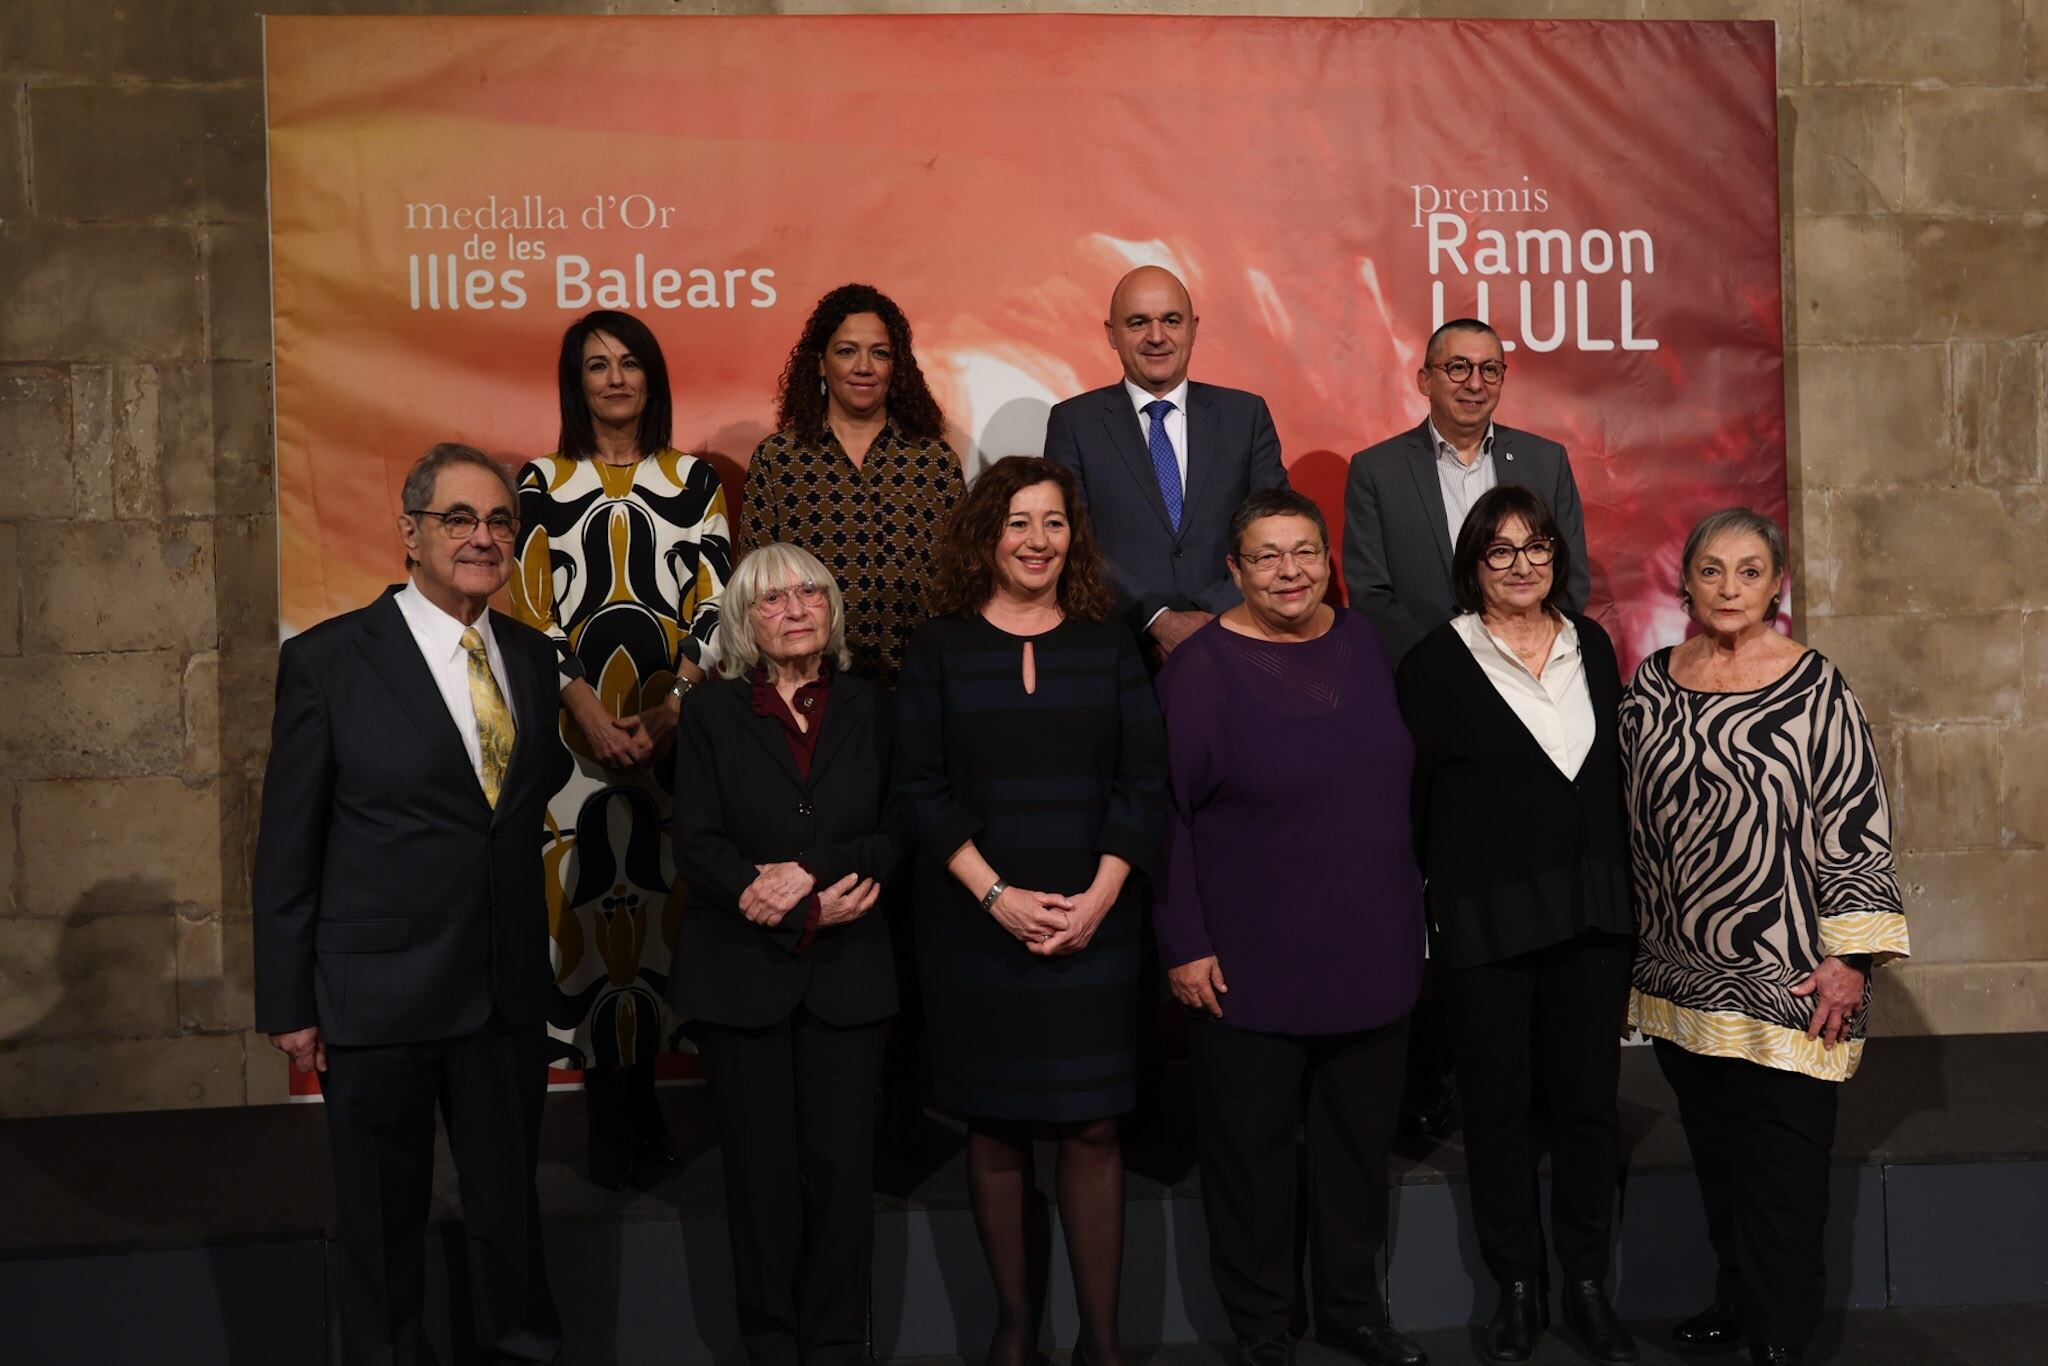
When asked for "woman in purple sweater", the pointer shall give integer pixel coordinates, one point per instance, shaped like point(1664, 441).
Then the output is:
point(1290, 919)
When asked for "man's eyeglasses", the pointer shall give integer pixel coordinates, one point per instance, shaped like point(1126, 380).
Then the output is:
point(1457, 370)
point(1538, 552)
point(1266, 561)
point(772, 600)
point(460, 525)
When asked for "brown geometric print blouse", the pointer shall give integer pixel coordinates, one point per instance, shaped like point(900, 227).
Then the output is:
point(875, 527)
point(1761, 842)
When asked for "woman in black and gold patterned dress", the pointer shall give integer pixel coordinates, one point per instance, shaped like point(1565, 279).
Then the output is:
point(1761, 844)
point(858, 473)
point(623, 552)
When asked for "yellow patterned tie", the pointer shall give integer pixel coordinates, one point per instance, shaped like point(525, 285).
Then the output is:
point(494, 728)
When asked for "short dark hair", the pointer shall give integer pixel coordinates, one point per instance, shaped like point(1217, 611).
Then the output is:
point(1483, 524)
point(964, 569)
point(1280, 502)
point(1456, 325)
point(578, 440)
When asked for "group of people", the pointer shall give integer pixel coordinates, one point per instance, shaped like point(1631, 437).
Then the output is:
point(887, 741)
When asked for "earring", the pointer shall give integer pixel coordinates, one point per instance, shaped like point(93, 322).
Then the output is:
point(1685, 599)
point(823, 390)
point(1771, 612)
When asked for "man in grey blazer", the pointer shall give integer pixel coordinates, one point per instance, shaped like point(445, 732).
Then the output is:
point(1405, 498)
point(1163, 463)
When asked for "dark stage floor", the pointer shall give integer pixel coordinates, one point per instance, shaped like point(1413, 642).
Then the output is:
point(2006, 1335)
point(136, 1181)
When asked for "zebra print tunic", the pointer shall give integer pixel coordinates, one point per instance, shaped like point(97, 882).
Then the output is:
point(1761, 844)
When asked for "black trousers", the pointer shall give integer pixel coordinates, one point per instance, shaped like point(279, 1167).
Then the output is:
point(1760, 1139)
point(1253, 1092)
point(796, 1118)
point(1558, 1012)
point(489, 1087)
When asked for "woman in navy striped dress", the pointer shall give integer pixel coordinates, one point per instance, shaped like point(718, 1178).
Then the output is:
point(1034, 775)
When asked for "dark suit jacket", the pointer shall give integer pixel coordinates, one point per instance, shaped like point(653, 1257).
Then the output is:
point(739, 803)
point(1232, 449)
point(1397, 549)
point(393, 904)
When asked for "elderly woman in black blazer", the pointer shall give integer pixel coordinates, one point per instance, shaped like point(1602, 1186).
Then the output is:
point(1514, 706)
point(783, 839)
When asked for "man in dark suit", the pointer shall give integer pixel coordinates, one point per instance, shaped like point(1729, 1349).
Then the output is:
point(1163, 463)
point(1405, 498)
point(401, 923)
point(1404, 501)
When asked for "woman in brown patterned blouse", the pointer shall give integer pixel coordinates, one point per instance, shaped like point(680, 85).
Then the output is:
point(858, 472)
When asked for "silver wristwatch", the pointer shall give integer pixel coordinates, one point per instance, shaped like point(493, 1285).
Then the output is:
point(680, 687)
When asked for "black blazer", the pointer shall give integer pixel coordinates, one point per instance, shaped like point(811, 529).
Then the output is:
point(1232, 449)
point(739, 803)
point(1515, 855)
point(1397, 545)
point(393, 904)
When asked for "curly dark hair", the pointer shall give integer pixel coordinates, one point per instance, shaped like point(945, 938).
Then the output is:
point(578, 440)
point(800, 400)
point(964, 570)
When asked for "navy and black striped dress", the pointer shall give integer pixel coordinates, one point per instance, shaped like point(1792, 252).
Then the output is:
point(1044, 783)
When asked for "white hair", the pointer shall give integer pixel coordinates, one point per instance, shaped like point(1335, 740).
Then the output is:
point(765, 567)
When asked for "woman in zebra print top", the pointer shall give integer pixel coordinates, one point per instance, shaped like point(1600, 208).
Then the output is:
point(1761, 844)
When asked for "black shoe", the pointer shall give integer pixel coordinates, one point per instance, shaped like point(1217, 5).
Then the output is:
point(1588, 1313)
point(1376, 1344)
point(1520, 1319)
point(1717, 1328)
point(1433, 1117)
point(611, 1156)
point(1762, 1354)
point(1265, 1350)
point(646, 1133)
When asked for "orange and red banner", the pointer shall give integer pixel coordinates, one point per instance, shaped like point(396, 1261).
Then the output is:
point(447, 194)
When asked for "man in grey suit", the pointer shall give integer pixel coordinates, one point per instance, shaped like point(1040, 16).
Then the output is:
point(1405, 498)
point(1404, 501)
point(1163, 463)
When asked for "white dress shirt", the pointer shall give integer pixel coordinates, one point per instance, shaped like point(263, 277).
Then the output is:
point(439, 637)
point(1176, 425)
point(1557, 708)
point(1462, 484)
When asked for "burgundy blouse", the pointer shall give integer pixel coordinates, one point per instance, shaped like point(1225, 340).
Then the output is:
point(810, 699)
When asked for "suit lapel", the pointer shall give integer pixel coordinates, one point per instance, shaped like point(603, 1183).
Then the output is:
point(1422, 465)
point(1203, 443)
point(842, 718)
point(396, 657)
point(1127, 434)
point(1511, 459)
point(767, 732)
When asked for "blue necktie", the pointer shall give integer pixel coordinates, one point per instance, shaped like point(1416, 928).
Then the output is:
point(1163, 463)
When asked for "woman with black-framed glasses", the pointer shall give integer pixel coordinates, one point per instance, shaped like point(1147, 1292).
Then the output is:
point(1514, 707)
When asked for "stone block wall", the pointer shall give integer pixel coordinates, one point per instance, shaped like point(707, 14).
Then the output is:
point(138, 595)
